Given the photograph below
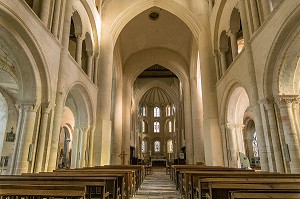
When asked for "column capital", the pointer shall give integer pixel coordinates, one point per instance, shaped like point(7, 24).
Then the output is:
point(267, 103)
point(286, 101)
point(223, 49)
point(215, 52)
point(232, 32)
point(47, 106)
point(28, 105)
point(79, 36)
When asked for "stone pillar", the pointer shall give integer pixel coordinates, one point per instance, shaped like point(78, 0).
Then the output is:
point(26, 133)
point(39, 161)
point(55, 24)
point(197, 120)
point(223, 60)
point(233, 40)
point(83, 148)
point(210, 5)
point(218, 71)
point(266, 9)
point(117, 125)
point(96, 59)
point(243, 13)
point(90, 64)
point(45, 12)
point(291, 138)
point(18, 135)
point(56, 130)
point(59, 101)
point(225, 144)
point(91, 147)
point(269, 106)
point(126, 119)
point(254, 14)
point(188, 124)
point(78, 131)
point(232, 146)
point(103, 122)
point(254, 97)
point(79, 40)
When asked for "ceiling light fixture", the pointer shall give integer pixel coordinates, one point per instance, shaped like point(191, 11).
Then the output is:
point(154, 15)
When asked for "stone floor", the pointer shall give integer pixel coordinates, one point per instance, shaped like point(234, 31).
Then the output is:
point(157, 186)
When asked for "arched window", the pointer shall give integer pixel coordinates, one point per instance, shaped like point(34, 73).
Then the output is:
point(143, 126)
point(170, 146)
point(144, 146)
point(156, 112)
point(255, 145)
point(168, 111)
point(143, 111)
point(170, 126)
point(156, 127)
point(173, 110)
point(156, 146)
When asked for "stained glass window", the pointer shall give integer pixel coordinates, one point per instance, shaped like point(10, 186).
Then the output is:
point(156, 127)
point(143, 126)
point(156, 112)
point(168, 111)
point(170, 146)
point(156, 146)
point(170, 126)
point(255, 145)
point(143, 146)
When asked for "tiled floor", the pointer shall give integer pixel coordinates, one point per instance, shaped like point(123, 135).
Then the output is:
point(157, 186)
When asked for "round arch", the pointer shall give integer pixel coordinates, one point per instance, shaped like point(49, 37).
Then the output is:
point(34, 76)
point(82, 103)
point(281, 65)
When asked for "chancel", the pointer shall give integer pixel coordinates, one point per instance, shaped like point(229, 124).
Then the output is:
point(139, 87)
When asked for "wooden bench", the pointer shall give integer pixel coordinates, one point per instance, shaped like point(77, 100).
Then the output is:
point(43, 191)
point(128, 176)
point(221, 190)
point(203, 184)
point(94, 187)
point(263, 195)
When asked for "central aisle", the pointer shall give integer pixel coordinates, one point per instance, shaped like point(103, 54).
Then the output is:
point(157, 185)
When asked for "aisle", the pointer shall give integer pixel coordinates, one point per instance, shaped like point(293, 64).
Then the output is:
point(157, 186)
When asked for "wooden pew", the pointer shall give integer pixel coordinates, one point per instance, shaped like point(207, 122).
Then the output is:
point(186, 177)
point(128, 176)
point(219, 190)
point(263, 195)
point(138, 169)
point(203, 184)
point(115, 183)
point(93, 186)
point(48, 191)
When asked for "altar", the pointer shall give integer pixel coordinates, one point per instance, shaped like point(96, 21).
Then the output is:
point(159, 162)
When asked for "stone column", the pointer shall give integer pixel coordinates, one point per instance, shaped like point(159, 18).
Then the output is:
point(96, 59)
point(218, 71)
point(83, 148)
point(103, 122)
point(26, 133)
point(45, 12)
point(79, 40)
point(117, 125)
point(188, 124)
point(55, 26)
point(232, 146)
point(90, 64)
point(254, 97)
point(210, 5)
point(269, 106)
point(286, 112)
point(225, 144)
point(46, 107)
point(126, 119)
point(197, 120)
point(91, 147)
point(18, 135)
point(233, 40)
point(243, 12)
point(59, 101)
point(266, 9)
point(254, 14)
point(223, 60)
